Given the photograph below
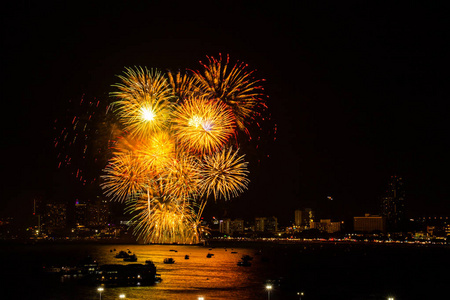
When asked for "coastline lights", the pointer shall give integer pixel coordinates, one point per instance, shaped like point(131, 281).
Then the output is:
point(268, 288)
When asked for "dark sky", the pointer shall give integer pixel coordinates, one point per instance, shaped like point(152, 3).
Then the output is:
point(356, 90)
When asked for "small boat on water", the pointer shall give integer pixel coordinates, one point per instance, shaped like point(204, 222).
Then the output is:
point(186, 256)
point(244, 263)
point(130, 258)
point(209, 255)
point(122, 254)
point(233, 252)
point(246, 257)
point(173, 250)
point(169, 260)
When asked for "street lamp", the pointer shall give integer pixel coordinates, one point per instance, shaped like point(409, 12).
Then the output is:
point(100, 290)
point(390, 298)
point(268, 288)
point(201, 298)
point(300, 294)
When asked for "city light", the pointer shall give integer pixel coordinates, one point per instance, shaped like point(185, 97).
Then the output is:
point(100, 290)
point(122, 296)
point(268, 288)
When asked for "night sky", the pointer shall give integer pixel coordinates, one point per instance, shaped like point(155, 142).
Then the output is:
point(357, 93)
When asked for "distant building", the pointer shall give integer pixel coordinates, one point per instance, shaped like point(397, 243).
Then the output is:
point(370, 223)
point(98, 213)
point(55, 218)
point(266, 224)
point(393, 204)
point(303, 218)
point(230, 227)
point(326, 225)
point(80, 214)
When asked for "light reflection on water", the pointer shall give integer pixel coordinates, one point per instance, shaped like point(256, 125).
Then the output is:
point(217, 277)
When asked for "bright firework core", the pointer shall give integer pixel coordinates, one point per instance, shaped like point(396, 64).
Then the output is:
point(147, 114)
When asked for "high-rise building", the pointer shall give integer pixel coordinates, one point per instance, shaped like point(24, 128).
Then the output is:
point(264, 224)
point(303, 218)
point(393, 204)
point(55, 217)
point(98, 213)
point(80, 214)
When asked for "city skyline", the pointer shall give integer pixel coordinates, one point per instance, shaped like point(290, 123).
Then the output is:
point(356, 93)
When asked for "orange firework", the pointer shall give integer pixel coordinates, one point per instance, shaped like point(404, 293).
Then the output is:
point(223, 173)
point(157, 151)
point(144, 101)
point(125, 176)
point(234, 86)
point(203, 125)
point(182, 86)
point(182, 178)
point(160, 219)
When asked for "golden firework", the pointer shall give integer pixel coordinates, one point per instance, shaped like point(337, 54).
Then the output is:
point(144, 101)
point(160, 219)
point(157, 151)
point(125, 176)
point(182, 178)
point(183, 86)
point(234, 86)
point(203, 125)
point(223, 174)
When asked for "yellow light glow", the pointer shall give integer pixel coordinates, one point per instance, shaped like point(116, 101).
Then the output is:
point(195, 121)
point(147, 114)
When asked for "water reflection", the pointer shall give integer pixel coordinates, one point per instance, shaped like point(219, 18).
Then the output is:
point(214, 277)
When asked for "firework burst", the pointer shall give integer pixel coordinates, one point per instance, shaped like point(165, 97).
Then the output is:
point(125, 176)
point(203, 125)
point(159, 219)
point(234, 86)
point(144, 101)
point(174, 153)
point(223, 174)
point(183, 86)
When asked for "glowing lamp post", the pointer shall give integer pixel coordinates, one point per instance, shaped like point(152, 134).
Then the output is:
point(300, 294)
point(122, 296)
point(269, 289)
point(390, 298)
point(100, 290)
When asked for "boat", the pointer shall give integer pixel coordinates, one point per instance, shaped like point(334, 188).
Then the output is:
point(186, 256)
point(127, 275)
point(169, 260)
point(246, 257)
point(122, 254)
point(233, 252)
point(244, 263)
point(209, 255)
point(130, 258)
